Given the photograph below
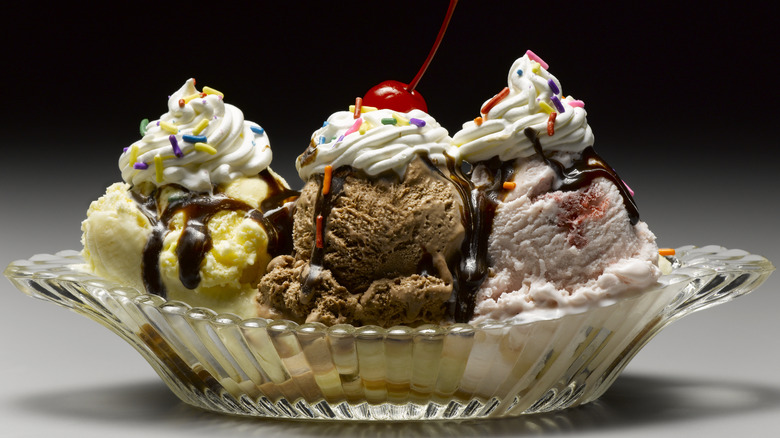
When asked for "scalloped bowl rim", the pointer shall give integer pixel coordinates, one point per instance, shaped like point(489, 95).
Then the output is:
point(689, 272)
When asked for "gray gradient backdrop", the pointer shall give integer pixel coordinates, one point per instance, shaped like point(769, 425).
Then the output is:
point(682, 101)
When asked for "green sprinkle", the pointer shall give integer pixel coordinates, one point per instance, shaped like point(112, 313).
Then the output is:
point(389, 121)
point(144, 124)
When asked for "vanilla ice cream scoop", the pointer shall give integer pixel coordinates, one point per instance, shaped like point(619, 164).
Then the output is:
point(200, 213)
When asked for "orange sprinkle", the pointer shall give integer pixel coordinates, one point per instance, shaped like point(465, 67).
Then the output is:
point(492, 102)
point(326, 179)
point(666, 251)
point(358, 107)
point(551, 124)
point(478, 121)
point(319, 241)
point(181, 103)
point(509, 185)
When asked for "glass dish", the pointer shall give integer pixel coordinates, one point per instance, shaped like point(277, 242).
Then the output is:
point(280, 369)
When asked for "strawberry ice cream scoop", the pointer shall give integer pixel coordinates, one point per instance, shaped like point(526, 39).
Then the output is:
point(565, 231)
point(553, 251)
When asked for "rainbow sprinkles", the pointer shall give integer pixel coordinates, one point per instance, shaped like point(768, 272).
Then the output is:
point(197, 133)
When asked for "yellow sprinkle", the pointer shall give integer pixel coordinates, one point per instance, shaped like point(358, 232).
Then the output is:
point(401, 121)
point(158, 167)
point(364, 127)
point(190, 97)
point(209, 90)
point(170, 127)
point(363, 109)
point(203, 147)
point(200, 126)
point(546, 108)
point(535, 67)
point(133, 154)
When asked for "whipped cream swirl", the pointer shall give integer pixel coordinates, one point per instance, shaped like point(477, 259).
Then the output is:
point(531, 96)
point(378, 141)
point(200, 142)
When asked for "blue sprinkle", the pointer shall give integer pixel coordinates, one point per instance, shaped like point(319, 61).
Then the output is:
point(558, 104)
point(322, 139)
point(417, 122)
point(257, 130)
point(519, 72)
point(325, 123)
point(554, 88)
point(140, 166)
point(194, 138)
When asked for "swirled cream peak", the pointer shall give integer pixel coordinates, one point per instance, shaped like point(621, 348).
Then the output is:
point(378, 140)
point(533, 98)
point(200, 142)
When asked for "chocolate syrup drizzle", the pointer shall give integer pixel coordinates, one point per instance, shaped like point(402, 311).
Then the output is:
point(195, 240)
point(470, 270)
point(583, 171)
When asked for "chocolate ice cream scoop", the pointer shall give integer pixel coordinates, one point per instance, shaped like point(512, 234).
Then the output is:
point(378, 228)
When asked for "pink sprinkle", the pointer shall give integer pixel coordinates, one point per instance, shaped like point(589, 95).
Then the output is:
point(629, 188)
point(355, 127)
point(534, 57)
point(577, 103)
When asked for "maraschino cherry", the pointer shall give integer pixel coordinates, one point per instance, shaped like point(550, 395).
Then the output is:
point(397, 96)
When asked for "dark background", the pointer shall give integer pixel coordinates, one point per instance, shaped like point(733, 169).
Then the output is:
point(672, 89)
point(653, 75)
point(682, 100)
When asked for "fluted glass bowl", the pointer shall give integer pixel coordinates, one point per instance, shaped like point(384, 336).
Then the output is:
point(280, 369)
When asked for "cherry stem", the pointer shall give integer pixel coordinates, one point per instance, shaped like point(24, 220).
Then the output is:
point(435, 47)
